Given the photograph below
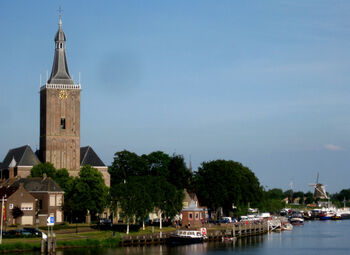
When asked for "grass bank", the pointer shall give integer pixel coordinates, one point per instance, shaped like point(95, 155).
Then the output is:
point(71, 240)
point(67, 238)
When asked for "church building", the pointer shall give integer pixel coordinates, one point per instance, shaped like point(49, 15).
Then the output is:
point(59, 125)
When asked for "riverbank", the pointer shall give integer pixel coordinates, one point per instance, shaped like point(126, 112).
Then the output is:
point(74, 237)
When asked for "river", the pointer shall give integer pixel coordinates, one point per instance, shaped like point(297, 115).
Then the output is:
point(314, 238)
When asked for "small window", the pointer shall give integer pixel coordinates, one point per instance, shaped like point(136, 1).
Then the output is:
point(41, 204)
point(63, 123)
point(11, 206)
point(61, 45)
point(197, 216)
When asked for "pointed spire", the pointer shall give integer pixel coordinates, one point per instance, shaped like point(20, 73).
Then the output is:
point(60, 73)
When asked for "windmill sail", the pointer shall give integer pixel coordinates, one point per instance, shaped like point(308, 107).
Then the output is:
point(320, 190)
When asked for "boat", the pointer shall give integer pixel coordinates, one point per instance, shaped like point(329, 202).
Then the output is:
point(287, 226)
point(186, 237)
point(297, 219)
point(327, 215)
point(345, 216)
point(336, 217)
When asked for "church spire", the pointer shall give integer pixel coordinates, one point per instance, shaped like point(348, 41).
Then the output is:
point(60, 73)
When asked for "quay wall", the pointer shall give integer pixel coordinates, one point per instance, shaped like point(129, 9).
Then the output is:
point(236, 230)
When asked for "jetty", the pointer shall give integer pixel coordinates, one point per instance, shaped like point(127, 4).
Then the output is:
point(214, 233)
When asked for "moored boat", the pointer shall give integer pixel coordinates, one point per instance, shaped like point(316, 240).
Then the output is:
point(326, 215)
point(186, 237)
point(287, 226)
point(336, 217)
point(297, 219)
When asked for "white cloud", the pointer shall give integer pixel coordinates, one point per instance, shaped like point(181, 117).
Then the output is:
point(332, 147)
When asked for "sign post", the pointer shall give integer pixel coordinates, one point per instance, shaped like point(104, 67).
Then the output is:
point(50, 221)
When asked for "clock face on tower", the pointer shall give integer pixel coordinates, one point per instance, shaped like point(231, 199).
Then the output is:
point(63, 94)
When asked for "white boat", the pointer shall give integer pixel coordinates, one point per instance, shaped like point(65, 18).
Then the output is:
point(287, 226)
point(186, 237)
point(297, 219)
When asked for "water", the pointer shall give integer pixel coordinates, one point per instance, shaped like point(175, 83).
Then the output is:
point(314, 238)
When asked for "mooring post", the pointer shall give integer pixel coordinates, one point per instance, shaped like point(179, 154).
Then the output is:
point(49, 242)
point(53, 243)
point(43, 246)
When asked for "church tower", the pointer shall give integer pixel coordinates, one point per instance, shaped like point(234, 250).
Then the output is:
point(60, 113)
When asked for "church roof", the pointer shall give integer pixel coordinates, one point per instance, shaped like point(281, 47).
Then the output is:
point(89, 157)
point(21, 156)
point(60, 73)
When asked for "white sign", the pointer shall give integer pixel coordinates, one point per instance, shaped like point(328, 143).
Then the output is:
point(50, 221)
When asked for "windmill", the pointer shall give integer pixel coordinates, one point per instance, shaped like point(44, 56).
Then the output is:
point(320, 191)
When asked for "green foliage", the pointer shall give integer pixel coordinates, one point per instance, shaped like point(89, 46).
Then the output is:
point(220, 183)
point(90, 242)
point(63, 179)
point(126, 164)
point(16, 212)
point(275, 194)
point(43, 168)
point(143, 183)
point(158, 163)
point(343, 194)
point(179, 175)
point(88, 192)
point(19, 246)
point(134, 197)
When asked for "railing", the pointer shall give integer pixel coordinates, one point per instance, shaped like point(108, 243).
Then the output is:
point(60, 86)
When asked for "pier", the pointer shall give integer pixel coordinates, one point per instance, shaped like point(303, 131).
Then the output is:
point(237, 230)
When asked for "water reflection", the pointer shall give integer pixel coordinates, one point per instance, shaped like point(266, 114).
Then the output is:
point(204, 248)
point(314, 238)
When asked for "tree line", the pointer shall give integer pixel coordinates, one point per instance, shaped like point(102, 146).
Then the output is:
point(155, 182)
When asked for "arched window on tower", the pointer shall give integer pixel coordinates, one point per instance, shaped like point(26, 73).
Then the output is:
point(61, 45)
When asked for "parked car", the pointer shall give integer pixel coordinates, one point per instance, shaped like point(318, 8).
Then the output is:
point(24, 233)
point(13, 233)
point(33, 231)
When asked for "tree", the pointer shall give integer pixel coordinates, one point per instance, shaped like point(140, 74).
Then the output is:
point(179, 174)
point(63, 179)
point(135, 199)
point(275, 194)
point(16, 212)
point(220, 183)
point(89, 192)
point(158, 163)
point(43, 168)
point(125, 165)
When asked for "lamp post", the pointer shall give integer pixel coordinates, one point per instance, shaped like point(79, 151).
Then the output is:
point(2, 218)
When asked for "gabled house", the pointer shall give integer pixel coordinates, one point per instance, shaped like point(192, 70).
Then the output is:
point(49, 197)
point(18, 196)
point(192, 213)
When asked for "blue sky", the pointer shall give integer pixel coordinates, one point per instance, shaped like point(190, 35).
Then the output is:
point(265, 83)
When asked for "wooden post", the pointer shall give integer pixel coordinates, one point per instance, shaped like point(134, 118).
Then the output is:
point(53, 243)
point(49, 243)
point(43, 246)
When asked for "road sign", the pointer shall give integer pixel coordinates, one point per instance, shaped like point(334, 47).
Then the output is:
point(50, 221)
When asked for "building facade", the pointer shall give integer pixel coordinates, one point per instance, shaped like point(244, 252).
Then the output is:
point(60, 113)
point(60, 118)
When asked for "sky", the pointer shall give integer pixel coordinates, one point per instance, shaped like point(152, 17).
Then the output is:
point(264, 83)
